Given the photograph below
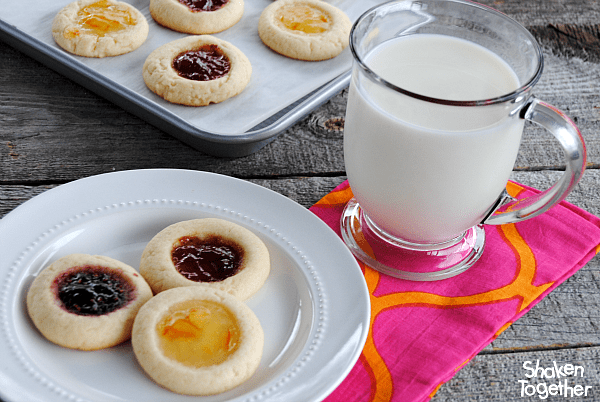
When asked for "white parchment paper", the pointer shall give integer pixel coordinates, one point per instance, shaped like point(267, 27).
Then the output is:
point(276, 82)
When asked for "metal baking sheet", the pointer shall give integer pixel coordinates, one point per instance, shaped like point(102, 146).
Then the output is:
point(281, 90)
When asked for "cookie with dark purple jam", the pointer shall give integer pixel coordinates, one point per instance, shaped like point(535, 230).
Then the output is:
point(197, 71)
point(197, 16)
point(206, 252)
point(208, 259)
point(86, 302)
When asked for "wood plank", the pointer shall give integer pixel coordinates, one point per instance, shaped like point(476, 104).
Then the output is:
point(569, 40)
point(11, 196)
point(496, 377)
point(543, 12)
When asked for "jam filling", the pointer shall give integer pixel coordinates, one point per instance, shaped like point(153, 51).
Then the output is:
point(204, 5)
point(304, 18)
point(93, 290)
point(101, 18)
point(210, 259)
point(204, 64)
point(199, 333)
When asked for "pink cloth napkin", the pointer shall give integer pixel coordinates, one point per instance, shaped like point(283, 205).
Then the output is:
point(422, 333)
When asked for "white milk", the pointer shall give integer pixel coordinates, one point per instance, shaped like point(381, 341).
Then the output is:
point(422, 171)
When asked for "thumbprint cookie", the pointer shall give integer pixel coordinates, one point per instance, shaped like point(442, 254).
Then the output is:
point(310, 30)
point(197, 71)
point(99, 28)
point(197, 340)
point(206, 252)
point(197, 16)
point(86, 302)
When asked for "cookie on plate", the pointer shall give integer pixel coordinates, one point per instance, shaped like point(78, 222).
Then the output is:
point(99, 28)
point(86, 302)
point(208, 252)
point(197, 71)
point(304, 29)
point(197, 16)
point(197, 340)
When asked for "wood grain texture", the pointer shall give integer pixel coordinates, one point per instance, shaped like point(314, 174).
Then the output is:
point(544, 12)
point(496, 377)
point(567, 40)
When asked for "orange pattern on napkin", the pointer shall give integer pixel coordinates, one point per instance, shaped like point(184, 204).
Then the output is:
point(385, 373)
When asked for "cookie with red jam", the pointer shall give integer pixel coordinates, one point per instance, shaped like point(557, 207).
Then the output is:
point(86, 302)
point(197, 71)
point(197, 16)
point(207, 252)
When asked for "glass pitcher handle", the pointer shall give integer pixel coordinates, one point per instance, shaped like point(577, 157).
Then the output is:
point(510, 210)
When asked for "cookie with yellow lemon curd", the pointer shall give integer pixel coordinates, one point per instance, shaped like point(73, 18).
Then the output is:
point(197, 340)
point(86, 302)
point(197, 71)
point(99, 28)
point(197, 16)
point(304, 29)
point(208, 252)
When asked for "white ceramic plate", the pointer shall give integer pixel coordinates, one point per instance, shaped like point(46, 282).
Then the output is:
point(314, 307)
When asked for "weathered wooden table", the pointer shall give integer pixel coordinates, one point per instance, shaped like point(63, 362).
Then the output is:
point(53, 131)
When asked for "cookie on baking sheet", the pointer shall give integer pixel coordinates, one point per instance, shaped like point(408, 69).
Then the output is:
point(99, 28)
point(197, 71)
point(304, 29)
point(197, 340)
point(197, 16)
point(208, 252)
point(86, 302)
